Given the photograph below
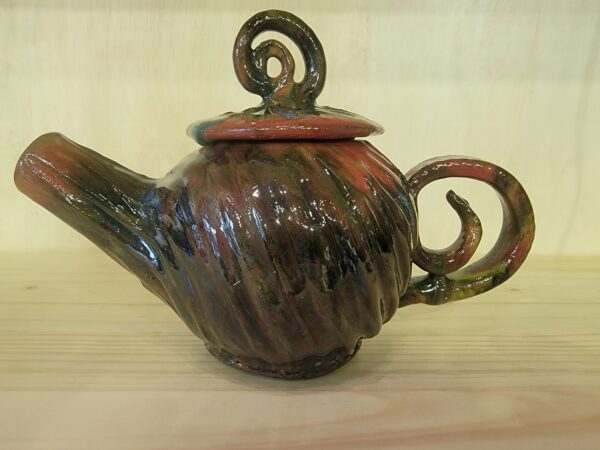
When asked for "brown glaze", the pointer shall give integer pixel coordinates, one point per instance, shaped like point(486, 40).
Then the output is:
point(507, 255)
point(251, 64)
point(288, 109)
point(255, 125)
point(281, 247)
point(281, 252)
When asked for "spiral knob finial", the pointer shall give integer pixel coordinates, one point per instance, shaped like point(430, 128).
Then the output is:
point(251, 64)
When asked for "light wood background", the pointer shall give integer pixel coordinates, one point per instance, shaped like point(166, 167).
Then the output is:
point(90, 360)
point(515, 82)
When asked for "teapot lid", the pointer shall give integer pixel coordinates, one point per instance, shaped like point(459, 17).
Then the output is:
point(288, 110)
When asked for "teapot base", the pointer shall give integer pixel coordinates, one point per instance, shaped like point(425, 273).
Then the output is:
point(310, 367)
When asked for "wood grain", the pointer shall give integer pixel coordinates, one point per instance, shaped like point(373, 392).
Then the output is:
point(89, 359)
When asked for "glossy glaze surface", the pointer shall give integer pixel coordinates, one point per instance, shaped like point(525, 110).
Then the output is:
point(280, 254)
point(449, 279)
point(288, 109)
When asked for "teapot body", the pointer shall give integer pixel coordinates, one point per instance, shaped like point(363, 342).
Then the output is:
point(283, 255)
point(284, 241)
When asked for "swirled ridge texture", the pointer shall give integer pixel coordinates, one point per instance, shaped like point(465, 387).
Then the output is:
point(284, 250)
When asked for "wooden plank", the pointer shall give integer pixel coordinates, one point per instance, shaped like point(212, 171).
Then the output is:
point(89, 359)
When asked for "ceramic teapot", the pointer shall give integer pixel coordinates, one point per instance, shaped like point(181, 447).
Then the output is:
point(285, 240)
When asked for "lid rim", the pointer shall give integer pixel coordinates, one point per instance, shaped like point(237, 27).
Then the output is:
point(254, 124)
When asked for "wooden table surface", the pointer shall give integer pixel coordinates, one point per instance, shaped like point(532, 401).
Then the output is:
point(90, 360)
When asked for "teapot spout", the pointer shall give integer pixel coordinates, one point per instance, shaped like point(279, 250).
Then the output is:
point(97, 197)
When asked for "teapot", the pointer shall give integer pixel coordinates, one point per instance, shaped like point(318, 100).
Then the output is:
point(285, 239)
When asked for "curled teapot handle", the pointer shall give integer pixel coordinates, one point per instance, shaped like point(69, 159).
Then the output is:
point(447, 280)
